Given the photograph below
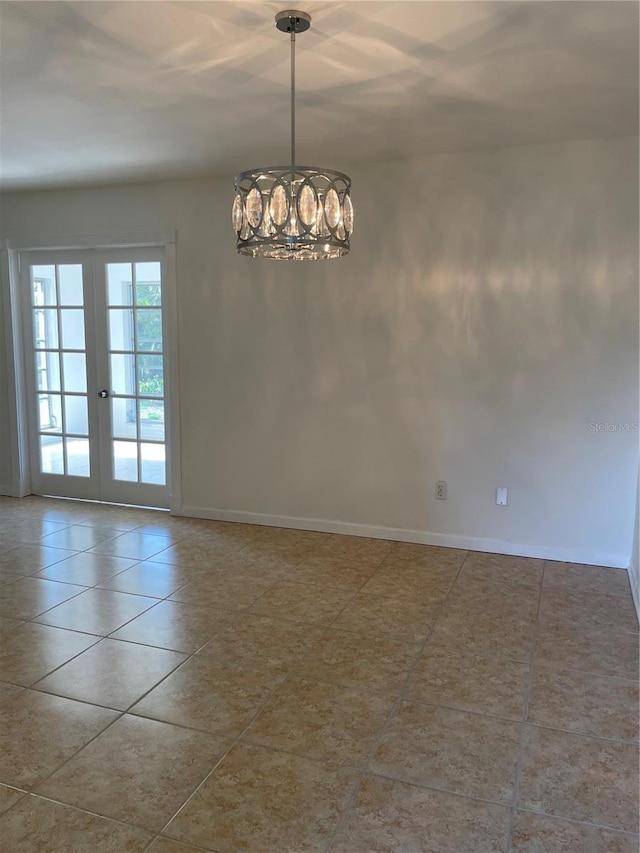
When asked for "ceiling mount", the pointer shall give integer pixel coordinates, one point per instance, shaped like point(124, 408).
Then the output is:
point(292, 21)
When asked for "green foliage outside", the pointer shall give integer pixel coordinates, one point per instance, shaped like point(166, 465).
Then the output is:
point(149, 333)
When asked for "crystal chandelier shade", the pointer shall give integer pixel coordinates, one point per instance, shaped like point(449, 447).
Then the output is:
point(302, 213)
point(292, 212)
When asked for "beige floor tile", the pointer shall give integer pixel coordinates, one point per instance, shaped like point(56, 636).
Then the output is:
point(302, 602)
point(139, 771)
point(33, 650)
point(68, 512)
point(25, 559)
point(287, 537)
point(138, 546)
point(309, 698)
point(86, 569)
point(491, 599)
point(427, 585)
point(487, 685)
point(97, 611)
point(238, 565)
point(393, 817)
point(36, 825)
point(313, 539)
point(9, 691)
point(157, 580)
point(541, 834)
point(398, 617)
point(501, 569)
point(582, 578)
point(588, 704)
point(286, 552)
point(358, 548)
point(325, 570)
point(587, 648)
point(581, 778)
point(166, 845)
point(30, 529)
point(38, 733)
point(370, 552)
point(9, 797)
point(221, 591)
point(260, 800)
point(476, 632)
point(7, 624)
point(463, 753)
point(594, 609)
point(163, 524)
point(320, 720)
point(103, 515)
point(112, 673)
point(10, 576)
point(171, 625)
point(372, 663)
point(432, 556)
point(208, 695)
point(273, 645)
point(230, 534)
point(79, 537)
point(11, 539)
point(28, 597)
point(195, 553)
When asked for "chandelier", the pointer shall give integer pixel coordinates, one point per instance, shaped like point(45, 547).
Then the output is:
point(301, 213)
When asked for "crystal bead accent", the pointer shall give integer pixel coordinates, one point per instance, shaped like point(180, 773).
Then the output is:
point(347, 215)
point(307, 205)
point(293, 213)
point(279, 205)
point(236, 214)
point(254, 207)
point(332, 208)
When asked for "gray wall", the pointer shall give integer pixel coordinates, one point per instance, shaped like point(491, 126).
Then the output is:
point(6, 451)
point(485, 319)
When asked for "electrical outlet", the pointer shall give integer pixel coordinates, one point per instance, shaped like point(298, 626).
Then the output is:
point(502, 494)
point(441, 490)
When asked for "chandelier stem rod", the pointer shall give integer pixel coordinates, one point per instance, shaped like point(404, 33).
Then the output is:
point(293, 97)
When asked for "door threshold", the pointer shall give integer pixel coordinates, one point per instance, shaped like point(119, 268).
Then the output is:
point(102, 503)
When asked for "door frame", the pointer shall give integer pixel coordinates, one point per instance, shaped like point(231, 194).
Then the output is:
point(83, 488)
point(13, 304)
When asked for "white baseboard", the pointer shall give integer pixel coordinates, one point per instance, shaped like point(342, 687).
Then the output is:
point(634, 580)
point(421, 537)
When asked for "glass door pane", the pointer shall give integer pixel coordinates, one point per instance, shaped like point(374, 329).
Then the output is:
point(63, 462)
point(135, 365)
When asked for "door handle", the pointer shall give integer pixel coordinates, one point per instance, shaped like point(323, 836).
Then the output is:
point(103, 394)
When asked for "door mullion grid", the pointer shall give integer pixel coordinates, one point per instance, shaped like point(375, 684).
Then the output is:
point(95, 311)
point(134, 314)
point(101, 323)
point(87, 288)
point(65, 466)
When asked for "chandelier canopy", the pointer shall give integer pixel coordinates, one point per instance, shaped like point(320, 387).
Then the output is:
point(293, 212)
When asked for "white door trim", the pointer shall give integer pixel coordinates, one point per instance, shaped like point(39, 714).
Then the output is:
point(92, 241)
point(172, 400)
point(19, 486)
point(14, 319)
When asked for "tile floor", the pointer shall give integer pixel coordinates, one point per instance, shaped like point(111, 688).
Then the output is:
point(175, 685)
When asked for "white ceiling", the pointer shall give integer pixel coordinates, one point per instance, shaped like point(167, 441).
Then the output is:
point(94, 92)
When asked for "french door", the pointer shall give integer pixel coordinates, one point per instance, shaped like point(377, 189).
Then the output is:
point(95, 331)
